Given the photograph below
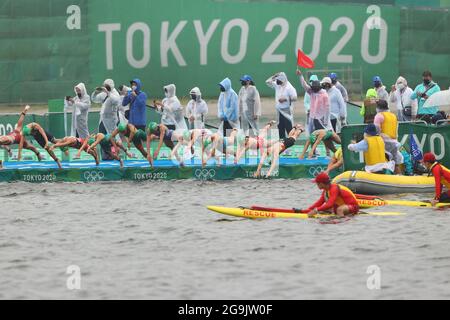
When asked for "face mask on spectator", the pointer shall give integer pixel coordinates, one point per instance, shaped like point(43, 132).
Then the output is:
point(400, 86)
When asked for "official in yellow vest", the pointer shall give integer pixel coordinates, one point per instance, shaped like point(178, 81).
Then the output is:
point(374, 151)
point(387, 124)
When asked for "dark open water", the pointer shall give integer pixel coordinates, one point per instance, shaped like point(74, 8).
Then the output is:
point(156, 240)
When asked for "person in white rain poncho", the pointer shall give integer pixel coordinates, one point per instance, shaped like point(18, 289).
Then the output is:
point(196, 110)
point(249, 106)
point(110, 100)
point(285, 95)
point(401, 96)
point(338, 107)
point(228, 108)
point(79, 106)
point(171, 109)
point(124, 111)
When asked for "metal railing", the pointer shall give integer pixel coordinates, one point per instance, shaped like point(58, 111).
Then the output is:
point(351, 78)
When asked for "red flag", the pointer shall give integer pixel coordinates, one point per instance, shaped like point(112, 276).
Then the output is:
point(304, 61)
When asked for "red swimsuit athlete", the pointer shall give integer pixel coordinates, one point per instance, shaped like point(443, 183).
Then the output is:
point(441, 177)
point(334, 196)
point(15, 136)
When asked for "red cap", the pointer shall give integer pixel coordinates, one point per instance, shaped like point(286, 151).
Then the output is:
point(322, 178)
point(429, 157)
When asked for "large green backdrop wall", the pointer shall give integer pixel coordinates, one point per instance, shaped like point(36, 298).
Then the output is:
point(40, 58)
point(198, 43)
point(175, 42)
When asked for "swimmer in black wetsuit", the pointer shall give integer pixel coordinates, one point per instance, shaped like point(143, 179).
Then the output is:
point(278, 148)
point(42, 137)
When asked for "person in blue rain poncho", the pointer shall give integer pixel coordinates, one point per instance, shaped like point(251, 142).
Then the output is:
point(228, 108)
point(137, 100)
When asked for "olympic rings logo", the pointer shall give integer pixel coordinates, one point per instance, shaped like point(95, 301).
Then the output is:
point(205, 174)
point(314, 171)
point(92, 176)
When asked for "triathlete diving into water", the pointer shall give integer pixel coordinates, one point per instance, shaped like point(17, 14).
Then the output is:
point(42, 137)
point(131, 134)
point(277, 148)
point(108, 145)
point(75, 143)
point(15, 136)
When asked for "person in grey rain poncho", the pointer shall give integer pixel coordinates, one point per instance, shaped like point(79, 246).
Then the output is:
point(285, 95)
point(196, 110)
point(79, 106)
point(171, 109)
point(110, 100)
point(249, 106)
point(227, 108)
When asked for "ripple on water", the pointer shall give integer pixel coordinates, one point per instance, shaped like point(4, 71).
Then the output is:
point(8, 244)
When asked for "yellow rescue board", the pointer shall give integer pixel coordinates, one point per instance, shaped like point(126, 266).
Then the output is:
point(257, 214)
point(370, 203)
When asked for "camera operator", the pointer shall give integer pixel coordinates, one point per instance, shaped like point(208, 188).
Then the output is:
point(79, 106)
